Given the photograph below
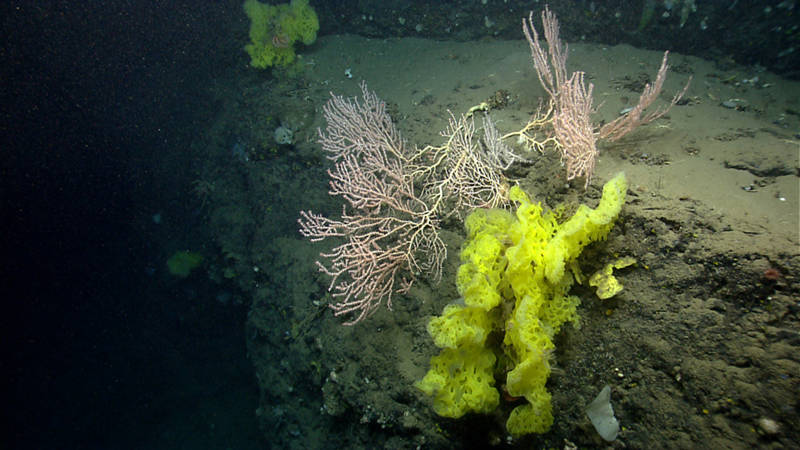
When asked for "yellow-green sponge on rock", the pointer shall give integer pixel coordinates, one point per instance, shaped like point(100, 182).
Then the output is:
point(182, 263)
point(274, 29)
point(513, 281)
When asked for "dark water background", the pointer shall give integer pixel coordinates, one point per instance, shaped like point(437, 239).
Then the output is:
point(100, 104)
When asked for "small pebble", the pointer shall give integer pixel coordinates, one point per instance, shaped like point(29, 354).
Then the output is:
point(768, 426)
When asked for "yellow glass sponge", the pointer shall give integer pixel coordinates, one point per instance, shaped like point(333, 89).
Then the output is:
point(604, 280)
point(301, 22)
point(534, 417)
point(513, 280)
point(461, 381)
point(275, 28)
point(482, 257)
point(585, 226)
point(460, 325)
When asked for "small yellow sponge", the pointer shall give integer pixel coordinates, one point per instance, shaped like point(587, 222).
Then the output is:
point(275, 28)
point(605, 281)
point(533, 417)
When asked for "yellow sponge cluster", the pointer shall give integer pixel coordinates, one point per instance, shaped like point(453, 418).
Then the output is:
point(512, 279)
point(275, 28)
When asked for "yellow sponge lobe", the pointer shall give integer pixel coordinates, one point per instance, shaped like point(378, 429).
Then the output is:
point(459, 325)
point(585, 226)
point(460, 381)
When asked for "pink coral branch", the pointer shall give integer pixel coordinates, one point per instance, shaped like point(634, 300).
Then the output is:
point(387, 226)
point(571, 100)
